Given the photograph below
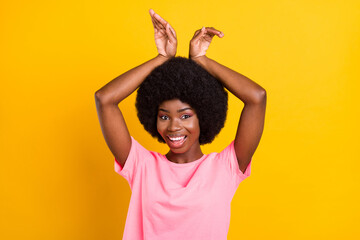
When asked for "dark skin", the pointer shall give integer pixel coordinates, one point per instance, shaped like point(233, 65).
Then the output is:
point(251, 123)
point(179, 119)
point(252, 117)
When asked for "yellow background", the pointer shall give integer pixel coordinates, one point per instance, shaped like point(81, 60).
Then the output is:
point(57, 174)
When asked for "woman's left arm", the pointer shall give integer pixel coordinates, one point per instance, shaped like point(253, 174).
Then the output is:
point(251, 123)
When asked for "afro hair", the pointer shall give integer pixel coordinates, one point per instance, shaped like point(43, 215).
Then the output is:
point(182, 78)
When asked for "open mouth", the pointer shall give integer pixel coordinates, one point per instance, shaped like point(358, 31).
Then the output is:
point(177, 141)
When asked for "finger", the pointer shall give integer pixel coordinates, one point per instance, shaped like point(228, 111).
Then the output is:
point(215, 32)
point(163, 23)
point(151, 11)
point(155, 24)
point(171, 37)
point(200, 34)
point(158, 25)
point(172, 30)
point(196, 33)
point(160, 19)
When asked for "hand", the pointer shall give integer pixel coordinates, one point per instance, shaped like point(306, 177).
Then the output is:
point(201, 41)
point(165, 36)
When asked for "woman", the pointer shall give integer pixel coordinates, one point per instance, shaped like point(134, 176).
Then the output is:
point(184, 194)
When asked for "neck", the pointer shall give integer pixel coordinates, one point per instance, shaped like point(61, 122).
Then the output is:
point(193, 154)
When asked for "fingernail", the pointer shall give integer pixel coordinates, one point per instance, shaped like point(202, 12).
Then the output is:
point(203, 28)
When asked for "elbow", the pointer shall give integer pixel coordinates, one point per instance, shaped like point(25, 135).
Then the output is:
point(262, 93)
point(97, 95)
point(100, 97)
point(261, 96)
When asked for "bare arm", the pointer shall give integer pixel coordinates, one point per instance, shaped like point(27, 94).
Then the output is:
point(251, 123)
point(119, 88)
point(111, 120)
point(107, 98)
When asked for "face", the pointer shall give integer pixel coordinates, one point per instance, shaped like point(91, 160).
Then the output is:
point(178, 125)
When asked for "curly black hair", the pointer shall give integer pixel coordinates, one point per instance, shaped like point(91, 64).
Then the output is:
point(182, 78)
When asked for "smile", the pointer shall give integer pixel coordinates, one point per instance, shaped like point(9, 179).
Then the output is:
point(176, 138)
point(177, 141)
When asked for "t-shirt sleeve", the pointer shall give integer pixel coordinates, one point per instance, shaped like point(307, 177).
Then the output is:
point(133, 162)
point(228, 155)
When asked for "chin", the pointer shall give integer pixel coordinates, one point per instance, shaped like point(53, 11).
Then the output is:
point(178, 150)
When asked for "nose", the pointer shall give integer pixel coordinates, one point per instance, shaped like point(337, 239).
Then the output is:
point(174, 125)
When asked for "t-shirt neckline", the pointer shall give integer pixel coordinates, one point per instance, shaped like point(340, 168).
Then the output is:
point(184, 164)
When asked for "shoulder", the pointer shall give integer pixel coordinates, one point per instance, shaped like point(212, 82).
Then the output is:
point(227, 150)
point(227, 157)
point(137, 149)
point(140, 150)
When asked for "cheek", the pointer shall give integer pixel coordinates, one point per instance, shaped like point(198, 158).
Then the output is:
point(193, 126)
point(160, 127)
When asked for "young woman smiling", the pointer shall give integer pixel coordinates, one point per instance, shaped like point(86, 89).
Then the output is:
point(179, 126)
point(184, 194)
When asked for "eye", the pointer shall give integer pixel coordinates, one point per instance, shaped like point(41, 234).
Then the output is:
point(164, 117)
point(185, 116)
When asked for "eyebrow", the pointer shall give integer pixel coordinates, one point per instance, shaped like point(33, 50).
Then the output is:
point(180, 110)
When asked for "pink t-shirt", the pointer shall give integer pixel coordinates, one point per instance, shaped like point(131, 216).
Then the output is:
point(177, 201)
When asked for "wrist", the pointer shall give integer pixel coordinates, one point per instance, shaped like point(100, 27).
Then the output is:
point(162, 57)
point(200, 59)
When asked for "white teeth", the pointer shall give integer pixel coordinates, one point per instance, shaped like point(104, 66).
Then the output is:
point(176, 138)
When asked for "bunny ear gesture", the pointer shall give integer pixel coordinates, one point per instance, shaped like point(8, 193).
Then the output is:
point(165, 36)
point(201, 41)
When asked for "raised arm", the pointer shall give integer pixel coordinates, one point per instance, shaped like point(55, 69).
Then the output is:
point(107, 98)
point(251, 123)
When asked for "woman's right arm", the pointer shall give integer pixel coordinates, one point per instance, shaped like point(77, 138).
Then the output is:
point(107, 98)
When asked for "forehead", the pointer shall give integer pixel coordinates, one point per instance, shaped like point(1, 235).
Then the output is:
point(174, 104)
